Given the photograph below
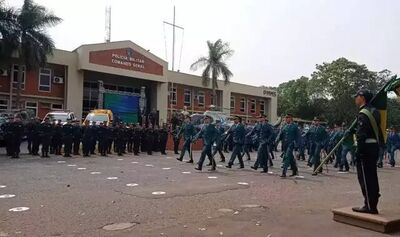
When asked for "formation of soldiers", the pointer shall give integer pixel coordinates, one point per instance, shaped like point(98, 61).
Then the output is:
point(71, 138)
point(297, 141)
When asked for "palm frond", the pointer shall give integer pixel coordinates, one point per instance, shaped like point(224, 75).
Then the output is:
point(201, 62)
point(206, 76)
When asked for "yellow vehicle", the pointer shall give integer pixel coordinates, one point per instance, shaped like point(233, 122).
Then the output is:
point(98, 116)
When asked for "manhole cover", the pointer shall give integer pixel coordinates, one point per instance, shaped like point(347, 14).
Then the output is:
point(18, 209)
point(7, 196)
point(119, 226)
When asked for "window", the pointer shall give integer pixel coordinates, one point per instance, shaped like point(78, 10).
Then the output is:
point(3, 104)
point(262, 107)
point(201, 98)
point(172, 95)
point(32, 107)
point(44, 79)
point(56, 106)
point(110, 87)
point(232, 103)
point(15, 76)
point(187, 97)
point(242, 104)
point(252, 106)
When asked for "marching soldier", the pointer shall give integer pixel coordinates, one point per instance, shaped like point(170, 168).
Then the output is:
point(219, 141)
point(289, 136)
point(46, 133)
point(264, 134)
point(188, 133)
point(68, 137)
point(238, 134)
point(176, 139)
point(17, 130)
point(347, 146)
point(77, 136)
point(393, 145)
point(209, 134)
point(369, 137)
point(319, 139)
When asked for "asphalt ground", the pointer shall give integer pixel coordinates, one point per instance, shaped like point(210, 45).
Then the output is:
point(159, 196)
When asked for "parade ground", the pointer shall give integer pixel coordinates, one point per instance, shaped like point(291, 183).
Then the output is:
point(159, 196)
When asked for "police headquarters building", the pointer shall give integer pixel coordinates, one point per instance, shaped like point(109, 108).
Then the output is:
point(127, 79)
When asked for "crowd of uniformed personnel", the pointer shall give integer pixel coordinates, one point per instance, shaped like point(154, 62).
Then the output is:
point(72, 138)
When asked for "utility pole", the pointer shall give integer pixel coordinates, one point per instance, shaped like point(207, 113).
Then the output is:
point(107, 37)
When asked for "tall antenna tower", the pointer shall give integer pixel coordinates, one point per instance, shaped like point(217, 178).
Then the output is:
point(107, 38)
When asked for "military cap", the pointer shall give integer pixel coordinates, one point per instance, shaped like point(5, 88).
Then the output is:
point(364, 93)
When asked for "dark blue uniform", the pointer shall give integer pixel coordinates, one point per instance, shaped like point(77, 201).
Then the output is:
point(238, 134)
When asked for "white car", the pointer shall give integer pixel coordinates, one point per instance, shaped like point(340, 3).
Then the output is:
point(62, 116)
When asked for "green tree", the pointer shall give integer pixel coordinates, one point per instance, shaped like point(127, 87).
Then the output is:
point(34, 42)
point(214, 65)
point(8, 26)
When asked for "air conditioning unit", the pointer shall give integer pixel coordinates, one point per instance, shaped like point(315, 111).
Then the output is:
point(58, 80)
point(3, 72)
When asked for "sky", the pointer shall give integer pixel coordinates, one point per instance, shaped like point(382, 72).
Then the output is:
point(274, 40)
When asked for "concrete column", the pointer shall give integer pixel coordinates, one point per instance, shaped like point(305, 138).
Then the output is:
point(74, 95)
point(162, 101)
point(226, 101)
point(273, 107)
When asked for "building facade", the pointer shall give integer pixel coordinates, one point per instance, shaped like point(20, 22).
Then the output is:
point(72, 79)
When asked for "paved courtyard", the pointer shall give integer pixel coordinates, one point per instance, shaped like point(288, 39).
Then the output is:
point(159, 196)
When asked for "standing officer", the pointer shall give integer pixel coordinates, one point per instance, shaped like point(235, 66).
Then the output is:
point(93, 138)
point(29, 136)
point(68, 137)
point(87, 139)
point(57, 138)
point(238, 134)
point(17, 130)
point(110, 138)
point(137, 135)
point(188, 133)
point(77, 136)
point(289, 136)
point(163, 137)
point(219, 141)
point(46, 133)
point(209, 133)
point(103, 134)
point(264, 134)
point(369, 137)
point(5, 127)
point(36, 136)
point(119, 139)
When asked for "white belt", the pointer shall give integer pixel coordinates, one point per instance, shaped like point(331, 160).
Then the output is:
point(370, 140)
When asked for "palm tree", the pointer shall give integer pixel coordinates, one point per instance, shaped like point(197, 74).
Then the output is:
point(8, 39)
point(214, 65)
point(34, 42)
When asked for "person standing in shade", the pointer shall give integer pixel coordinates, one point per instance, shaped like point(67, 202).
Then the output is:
point(17, 130)
point(238, 135)
point(35, 136)
point(57, 138)
point(264, 134)
point(289, 135)
point(46, 133)
point(188, 133)
point(68, 136)
point(77, 136)
point(136, 139)
point(87, 139)
point(368, 137)
point(219, 141)
point(163, 137)
point(209, 134)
